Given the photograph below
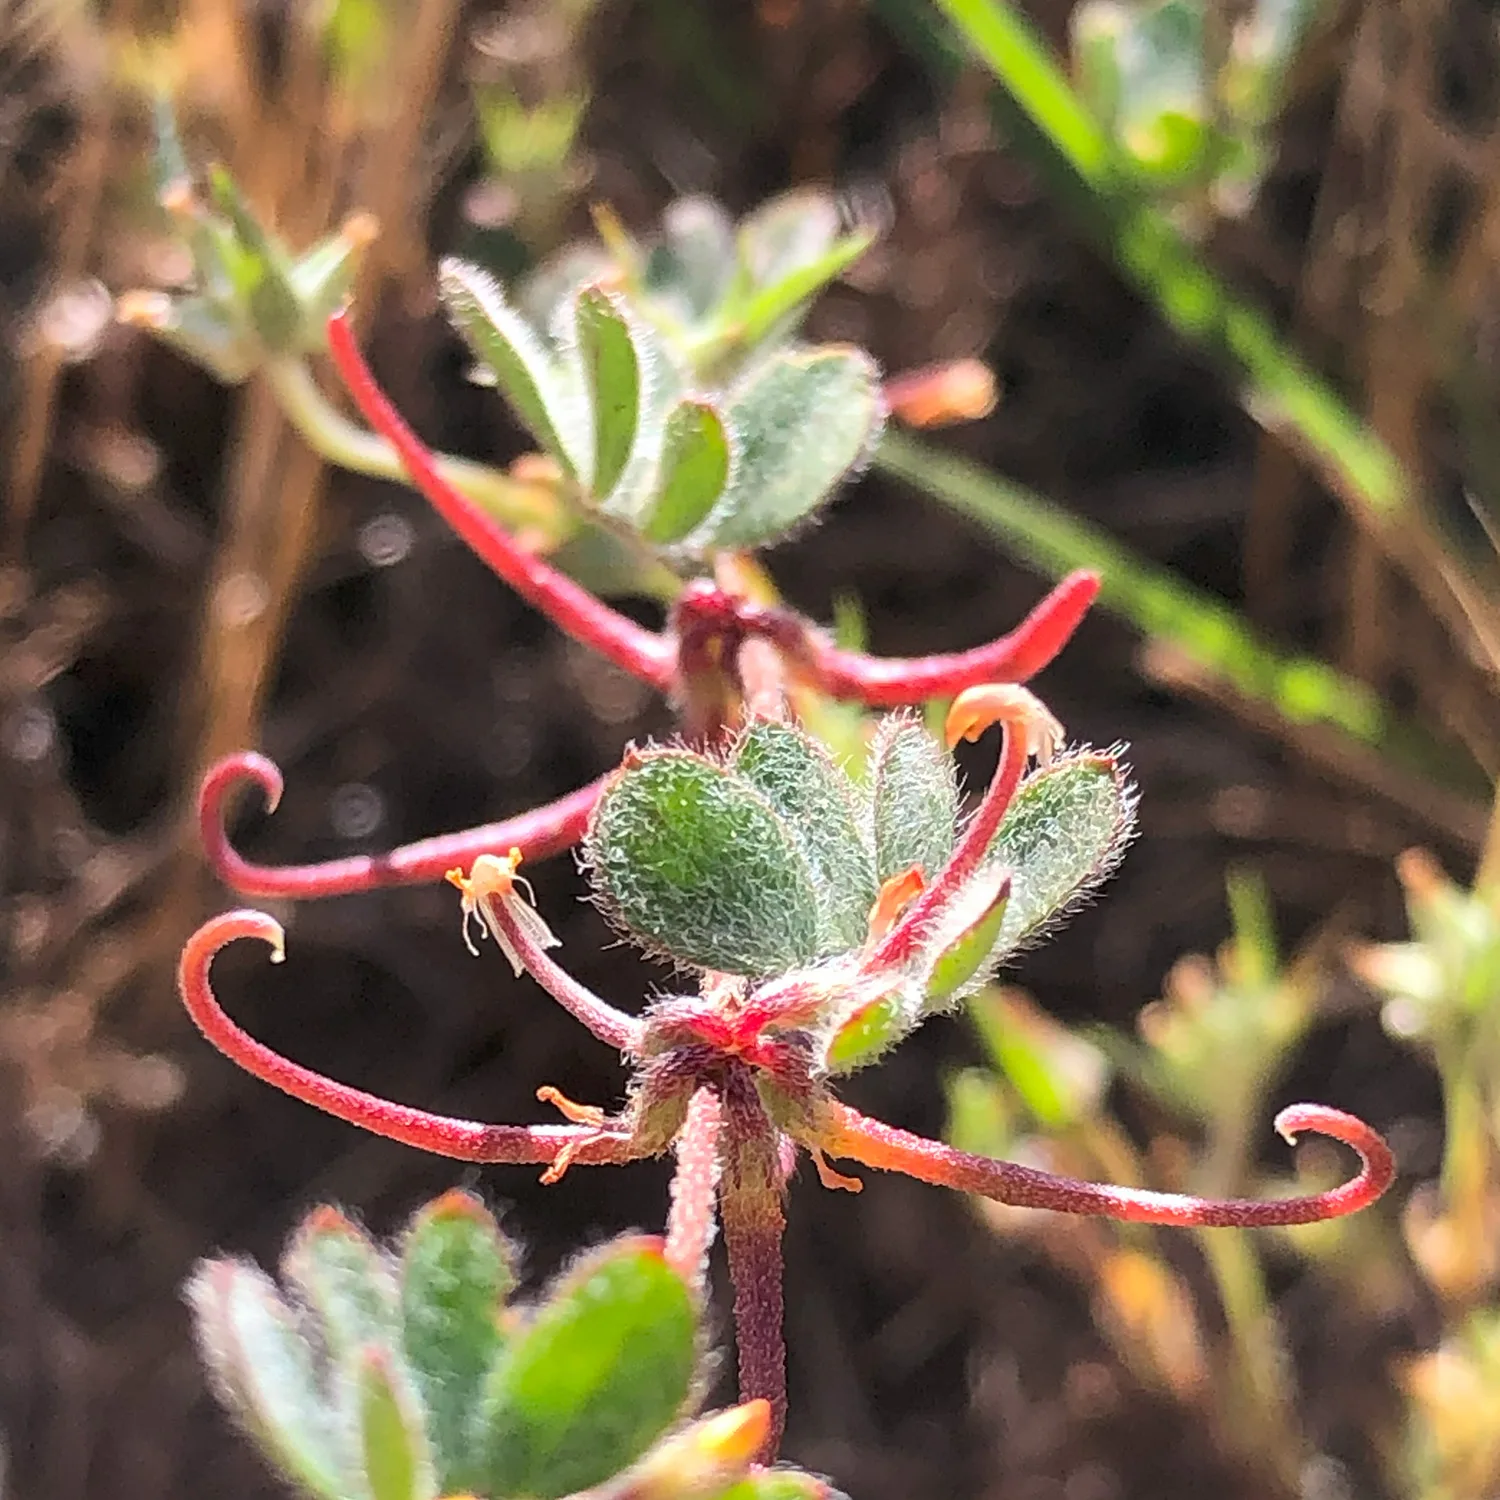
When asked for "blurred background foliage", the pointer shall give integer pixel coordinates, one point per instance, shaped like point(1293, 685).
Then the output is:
point(1235, 266)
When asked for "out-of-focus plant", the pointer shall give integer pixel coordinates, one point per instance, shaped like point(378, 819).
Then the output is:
point(1208, 1053)
point(412, 1373)
point(1102, 179)
point(1186, 92)
point(1441, 993)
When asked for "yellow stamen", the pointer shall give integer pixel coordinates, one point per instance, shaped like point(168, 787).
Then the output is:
point(579, 1114)
point(895, 895)
point(1008, 703)
point(834, 1179)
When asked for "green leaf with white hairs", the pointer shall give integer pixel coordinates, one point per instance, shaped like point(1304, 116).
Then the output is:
point(604, 1368)
point(873, 1026)
point(613, 377)
point(962, 950)
point(697, 865)
point(456, 1271)
point(816, 802)
point(345, 1277)
point(1063, 835)
point(524, 367)
point(396, 1460)
point(690, 271)
point(777, 307)
point(696, 460)
point(789, 232)
point(801, 422)
point(913, 799)
point(263, 1368)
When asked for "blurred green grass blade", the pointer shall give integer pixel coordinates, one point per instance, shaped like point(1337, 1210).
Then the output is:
point(1299, 688)
point(1024, 64)
point(1282, 394)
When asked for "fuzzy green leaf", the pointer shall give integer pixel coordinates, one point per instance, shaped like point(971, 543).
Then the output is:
point(604, 1368)
point(967, 943)
point(612, 373)
point(393, 1443)
point(523, 366)
point(775, 307)
point(871, 1031)
point(789, 232)
point(1064, 833)
point(265, 1371)
point(346, 1279)
point(456, 1272)
point(690, 271)
point(913, 799)
point(697, 865)
point(816, 803)
point(695, 464)
point(801, 422)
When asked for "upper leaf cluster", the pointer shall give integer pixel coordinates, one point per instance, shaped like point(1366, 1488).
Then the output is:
point(651, 444)
point(769, 859)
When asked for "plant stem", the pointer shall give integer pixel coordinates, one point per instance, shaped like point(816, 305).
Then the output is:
point(754, 1219)
point(690, 1221)
point(330, 434)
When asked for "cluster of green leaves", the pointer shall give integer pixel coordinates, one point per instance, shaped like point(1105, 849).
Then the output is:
point(721, 294)
point(648, 443)
point(252, 298)
point(768, 859)
point(1187, 103)
point(413, 1374)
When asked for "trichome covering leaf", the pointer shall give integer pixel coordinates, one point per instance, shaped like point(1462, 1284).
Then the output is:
point(456, 1272)
point(913, 799)
point(345, 1278)
point(800, 422)
point(612, 373)
point(263, 1368)
point(1063, 834)
point(604, 1368)
point(523, 366)
point(696, 460)
point(816, 802)
point(699, 867)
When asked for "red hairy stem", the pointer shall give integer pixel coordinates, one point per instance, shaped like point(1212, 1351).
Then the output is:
point(892, 681)
point(620, 1031)
point(464, 1140)
point(847, 1133)
point(754, 1220)
point(574, 610)
point(695, 1184)
point(538, 834)
point(968, 854)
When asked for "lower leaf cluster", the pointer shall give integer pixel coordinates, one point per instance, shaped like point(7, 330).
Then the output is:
point(411, 1375)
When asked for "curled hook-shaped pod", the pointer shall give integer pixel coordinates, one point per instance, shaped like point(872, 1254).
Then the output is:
point(889, 682)
point(464, 1140)
point(847, 1133)
point(539, 833)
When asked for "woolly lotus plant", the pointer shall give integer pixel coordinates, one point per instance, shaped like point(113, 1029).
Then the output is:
point(814, 918)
